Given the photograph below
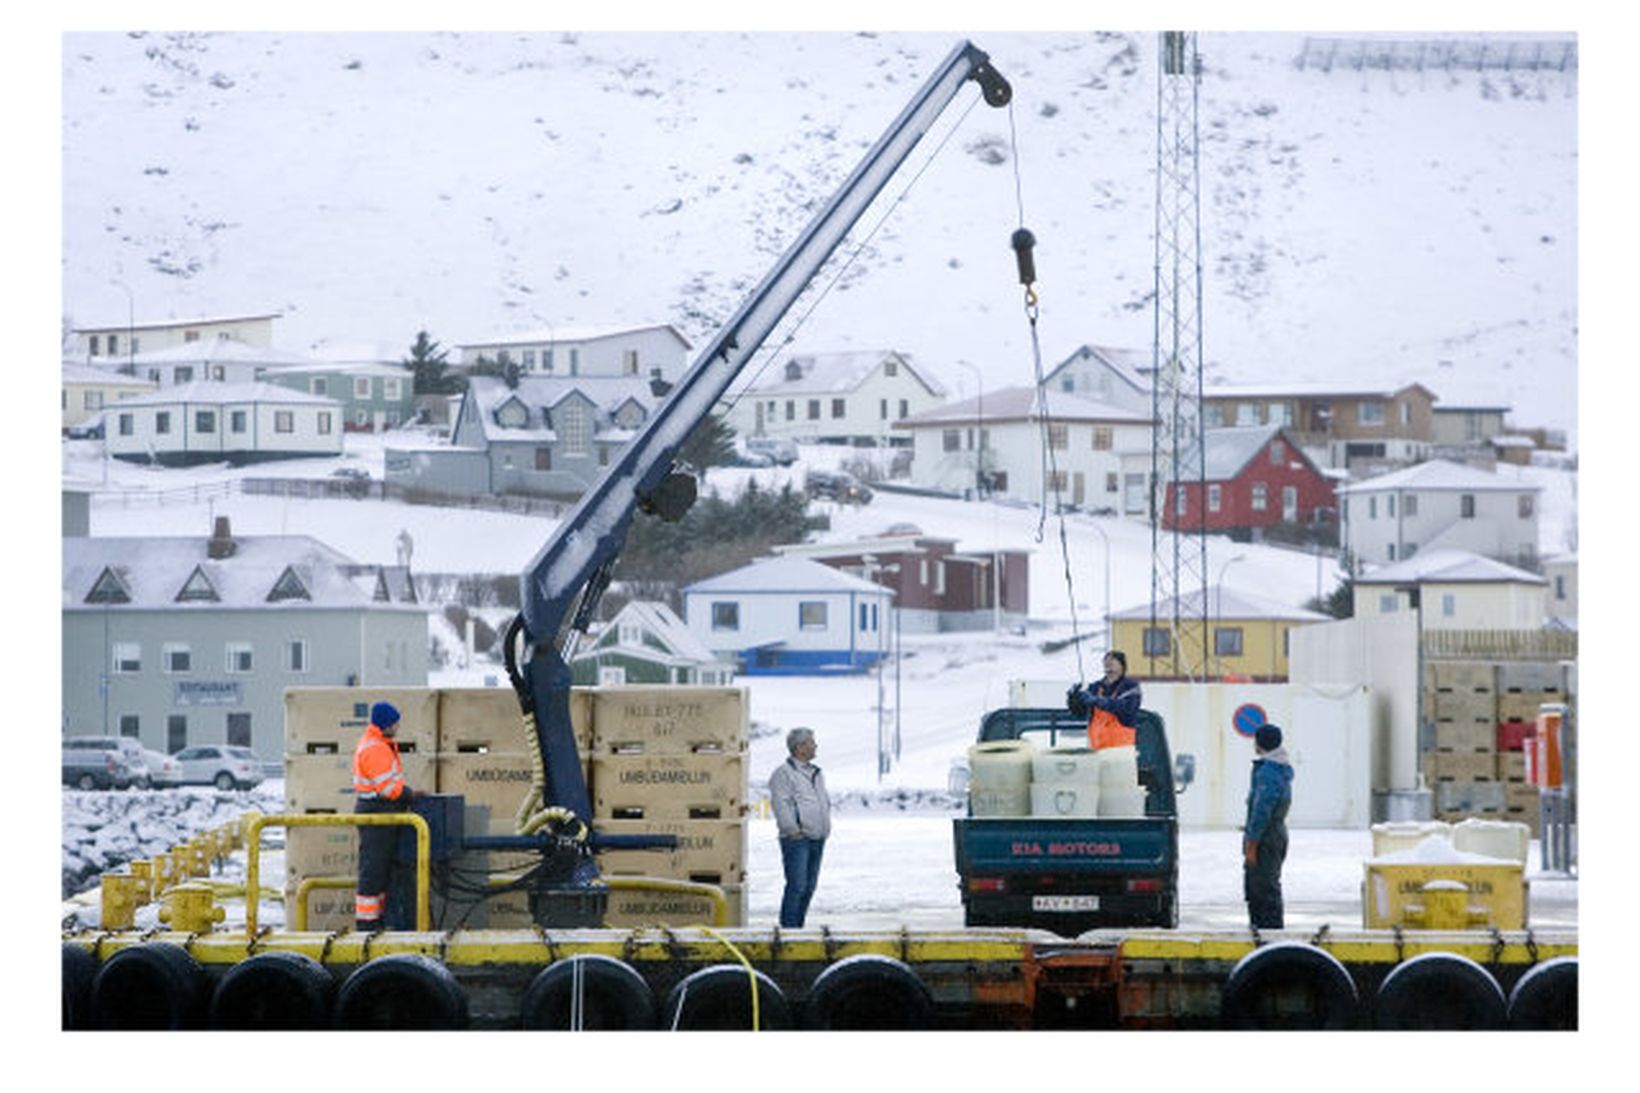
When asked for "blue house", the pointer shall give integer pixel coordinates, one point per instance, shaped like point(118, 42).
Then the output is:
point(791, 616)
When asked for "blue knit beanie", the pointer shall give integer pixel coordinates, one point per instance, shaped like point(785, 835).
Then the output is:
point(383, 715)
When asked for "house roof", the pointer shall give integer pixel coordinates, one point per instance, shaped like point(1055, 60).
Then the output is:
point(683, 643)
point(341, 368)
point(786, 574)
point(162, 324)
point(1226, 603)
point(220, 350)
point(1015, 404)
point(1439, 474)
point(220, 394)
point(569, 335)
point(1230, 449)
point(152, 571)
point(834, 373)
point(105, 377)
point(607, 393)
point(1305, 390)
point(1448, 567)
point(1132, 365)
point(1470, 408)
point(359, 352)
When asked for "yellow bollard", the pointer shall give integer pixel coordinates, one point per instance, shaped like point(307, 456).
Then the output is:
point(122, 894)
point(199, 857)
point(1445, 907)
point(191, 908)
point(144, 868)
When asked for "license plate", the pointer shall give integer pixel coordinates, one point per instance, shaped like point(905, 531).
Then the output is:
point(1064, 903)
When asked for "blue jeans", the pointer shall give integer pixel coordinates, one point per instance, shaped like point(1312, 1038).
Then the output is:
point(801, 859)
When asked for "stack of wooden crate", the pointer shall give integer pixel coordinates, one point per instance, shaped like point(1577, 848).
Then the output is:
point(672, 761)
point(1523, 686)
point(656, 759)
point(1460, 763)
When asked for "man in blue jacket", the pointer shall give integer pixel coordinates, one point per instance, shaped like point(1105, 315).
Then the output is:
point(1264, 839)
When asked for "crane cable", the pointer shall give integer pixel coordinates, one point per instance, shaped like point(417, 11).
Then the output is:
point(1022, 242)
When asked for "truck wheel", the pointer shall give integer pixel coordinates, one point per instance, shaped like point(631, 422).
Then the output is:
point(1441, 991)
point(589, 991)
point(868, 992)
point(87, 782)
point(1288, 985)
point(719, 998)
point(273, 990)
point(1546, 997)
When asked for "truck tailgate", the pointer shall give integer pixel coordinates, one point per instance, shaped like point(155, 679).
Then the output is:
point(1091, 846)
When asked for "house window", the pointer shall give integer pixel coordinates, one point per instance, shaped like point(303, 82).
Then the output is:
point(361, 417)
point(1278, 453)
point(575, 362)
point(93, 400)
point(284, 421)
point(1409, 505)
point(1466, 506)
point(296, 655)
point(94, 345)
point(1059, 437)
point(839, 408)
point(176, 732)
point(1260, 496)
point(1280, 413)
point(1449, 604)
point(1213, 492)
point(324, 422)
point(162, 422)
point(239, 730)
point(571, 423)
point(1408, 550)
point(726, 616)
point(184, 374)
point(811, 615)
point(1372, 508)
point(1227, 641)
point(952, 439)
point(864, 615)
point(1406, 413)
point(1214, 413)
point(175, 658)
point(190, 336)
point(603, 455)
point(543, 459)
point(1102, 438)
point(1391, 549)
point(204, 421)
point(791, 410)
point(814, 409)
point(1372, 413)
point(1386, 603)
point(1056, 481)
point(629, 362)
point(1389, 505)
point(239, 658)
point(320, 385)
point(128, 657)
point(1158, 642)
point(127, 425)
point(529, 360)
point(361, 386)
point(891, 368)
point(939, 578)
point(1181, 499)
point(130, 725)
point(1111, 485)
point(1523, 506)
point(882, 408)
point(113, 344)
point(1247, 413)
point(219, 372)
point(546, 360)
point(390, 389)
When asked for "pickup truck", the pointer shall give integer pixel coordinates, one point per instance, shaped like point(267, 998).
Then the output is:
point(1071, 875)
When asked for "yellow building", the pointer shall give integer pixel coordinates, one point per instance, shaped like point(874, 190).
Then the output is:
point(1247, 636)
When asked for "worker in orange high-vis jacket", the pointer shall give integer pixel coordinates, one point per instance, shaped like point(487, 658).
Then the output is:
point(1110, 704)
point(378, 786)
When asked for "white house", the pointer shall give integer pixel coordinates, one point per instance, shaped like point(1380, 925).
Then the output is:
point(221, 360)
point(656, 351)
point(1002, 434)
point(837, 398)
point(791, 616)
point(115, 343)
point(205, 422)
point(1454, 590)
point(87, 390)
point(1116, 377)
point(1438, 504)
point(1561, 573)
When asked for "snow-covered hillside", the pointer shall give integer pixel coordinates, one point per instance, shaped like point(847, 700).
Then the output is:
point(1394, 224)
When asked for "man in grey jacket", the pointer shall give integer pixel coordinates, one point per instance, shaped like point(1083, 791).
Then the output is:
point(802, 815)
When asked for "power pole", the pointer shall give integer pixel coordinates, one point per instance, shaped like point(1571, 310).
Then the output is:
point(1178, 574)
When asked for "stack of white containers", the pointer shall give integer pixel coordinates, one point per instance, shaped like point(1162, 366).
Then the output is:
point(1065, 782)
point(1120, 794)
point(999, 778)
point(1014, 778)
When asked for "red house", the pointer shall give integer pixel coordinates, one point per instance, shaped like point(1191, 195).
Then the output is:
point(1255, 476)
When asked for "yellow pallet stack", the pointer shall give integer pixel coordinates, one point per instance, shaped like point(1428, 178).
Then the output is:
point(322, 727)
point(672, 760)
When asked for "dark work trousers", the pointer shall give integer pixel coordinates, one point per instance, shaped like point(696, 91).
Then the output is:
point(376, 866)
point(801, 859)
point(1262, 882)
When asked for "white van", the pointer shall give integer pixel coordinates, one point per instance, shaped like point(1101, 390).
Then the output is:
point(777, 448)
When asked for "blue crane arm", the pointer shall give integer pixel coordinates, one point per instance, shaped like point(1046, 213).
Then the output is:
point(568, 575)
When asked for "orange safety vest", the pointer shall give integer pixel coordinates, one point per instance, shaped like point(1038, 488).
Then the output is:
point(377, 773)
point(1104, 731)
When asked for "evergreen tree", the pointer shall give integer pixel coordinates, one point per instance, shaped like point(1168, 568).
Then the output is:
point(709, 444)
point(1339, 603)
point(427, 363)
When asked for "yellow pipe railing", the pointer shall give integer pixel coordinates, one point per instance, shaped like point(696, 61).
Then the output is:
point(424, 853)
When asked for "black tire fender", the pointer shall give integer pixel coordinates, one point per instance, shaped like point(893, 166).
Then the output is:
point(79, 969)
point(867, 991)
point(1546, 997)
point(273, 990)
point(155, 985)
point(719, 998)
point(1440, 991)
point(1262, 980)
point(401, 991)
point(589, 991)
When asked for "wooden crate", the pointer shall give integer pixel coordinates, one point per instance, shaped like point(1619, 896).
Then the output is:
point(668, 787)
point(1460, 766)
point(474, 719)
point(324, 783)
point(1465, 736)
point(709, 851)
point(1464, 706)
point(1461, 675)
point(1523, 805)
point(669, 720)
point(1468, 797)
point(1523, 705)
point(493, 785)
point(1512, 766)
point(332, 718)
point(321, 852)
point(1525, 676)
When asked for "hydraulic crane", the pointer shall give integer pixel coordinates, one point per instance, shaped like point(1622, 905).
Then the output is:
point(565, 580)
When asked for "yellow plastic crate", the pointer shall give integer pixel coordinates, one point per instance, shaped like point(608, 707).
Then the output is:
point(1389, 888)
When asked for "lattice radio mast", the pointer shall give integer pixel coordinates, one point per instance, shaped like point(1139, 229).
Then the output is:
point(1178, 572)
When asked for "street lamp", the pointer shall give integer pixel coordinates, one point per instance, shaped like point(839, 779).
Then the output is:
point(1218, 607)
point(130, 327)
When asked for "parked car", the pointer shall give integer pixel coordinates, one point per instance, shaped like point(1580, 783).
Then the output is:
point(89, 429)
point(777, 448)
point(358, 473)
point(837, 486)
point(163, 770)
point(750, 457)
point(219, 765)
point(127, 747)
point(89, 764)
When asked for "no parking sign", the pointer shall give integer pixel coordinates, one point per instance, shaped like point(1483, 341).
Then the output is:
point(1248, 719)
